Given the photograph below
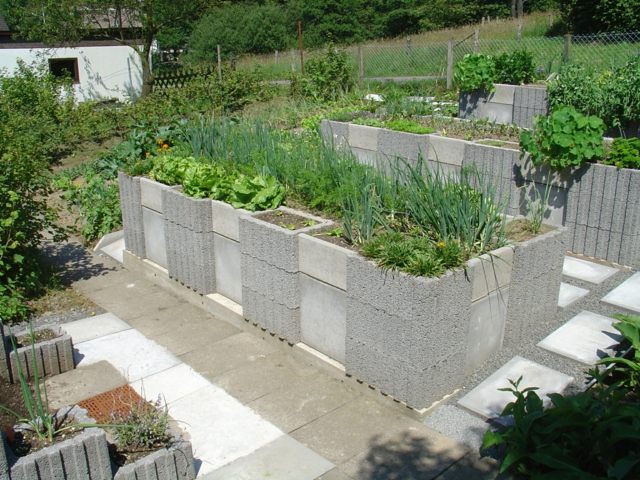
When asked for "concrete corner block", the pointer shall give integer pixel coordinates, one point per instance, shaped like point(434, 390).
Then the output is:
point(323, 260)
point(335, 134)
point(408, 146)
point(503, 94)
point(486, 329)
point(470, 102)
point(272, 282)
point(151, 194)
point(225, 220)
point(155, 246)
point(172, 463)
point(271, 315)
point(228, 271)
point(363, 136)
point(52, 357)
point(131, 207)
point(446, 150)
point(490, 272)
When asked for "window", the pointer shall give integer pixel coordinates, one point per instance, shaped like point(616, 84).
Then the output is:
point(65, 67)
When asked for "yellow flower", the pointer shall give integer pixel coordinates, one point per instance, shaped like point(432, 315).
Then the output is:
point(165, 146)
point(147, 154)
point(159, 141)
point(441, 244)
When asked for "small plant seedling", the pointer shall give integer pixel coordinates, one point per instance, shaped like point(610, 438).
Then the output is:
point(288, 226)
point(336, 232)
point(309, 223)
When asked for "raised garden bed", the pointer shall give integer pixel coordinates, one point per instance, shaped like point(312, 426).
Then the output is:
point(508, 104)
point(53, 352)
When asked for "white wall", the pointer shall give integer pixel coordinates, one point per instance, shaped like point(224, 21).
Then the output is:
point(105, 71)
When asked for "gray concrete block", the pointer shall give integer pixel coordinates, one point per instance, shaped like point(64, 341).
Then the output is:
point(486, 329)
point(602, 244)
point(490, 271)
point(173, 463)
point(5, 454)
point(5, 348)
point(409, 146)
point(273, 244)
point(335, 134)
point(364, 137)
point(154, 236)
point(272, 282)
point(151, 194)
point(201, 215)
point(270, 315)
point(367, 157)
point(323, 317)
point(630, 251)
point(225, 219)
point(227, 268)
point(502, 94)
point(323, 260)
point(424, 387)
point(131, 207)
point(446, 150)
point(470, 102)
point(496, 112)
point(590, 242)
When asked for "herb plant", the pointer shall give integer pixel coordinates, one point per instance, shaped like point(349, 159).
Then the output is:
point(624, 153)
point(145, 427)
point(475, 72)
point(515, 68)
point(566, 138)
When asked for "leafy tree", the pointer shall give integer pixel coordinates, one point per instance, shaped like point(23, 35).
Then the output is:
point(134, 23)
point(594, 16)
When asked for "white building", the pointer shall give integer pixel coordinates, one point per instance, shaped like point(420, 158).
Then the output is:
point(100, 69)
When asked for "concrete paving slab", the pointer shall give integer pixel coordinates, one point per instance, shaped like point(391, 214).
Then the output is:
point(130, 306)
point(220, 428)
point(158, 321)
point(282, 459)
point(129, 351)
point(472, 466)
point(232, 352)
point(626, 295)
point(587, 271)
point(409, 454)
point(171, 384)
point(305, 401)
point(587, 338)
point(458, 424)
point(570, 294)
point(486, 400)
point(334, 474)
point(353, 428)
point(84, 382)
point(94, 327)
point(105, 280)
point(273, 373)
point(115, 250)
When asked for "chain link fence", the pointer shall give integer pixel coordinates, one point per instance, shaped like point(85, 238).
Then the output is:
point(410, 60)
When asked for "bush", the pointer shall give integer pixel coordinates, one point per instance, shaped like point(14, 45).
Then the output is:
point(515, 68)
point(326, 77)
point(624, 153)
point(566, 138)
point(475, 72)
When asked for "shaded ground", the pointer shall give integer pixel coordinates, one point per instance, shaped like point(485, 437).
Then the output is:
point(11, 398)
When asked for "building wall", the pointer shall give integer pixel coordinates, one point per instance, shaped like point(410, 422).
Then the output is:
point(105, 71)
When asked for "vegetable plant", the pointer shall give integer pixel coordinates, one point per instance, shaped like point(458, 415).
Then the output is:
point(624, 153)
point(566, 138)
point(475, 72)
point(515, 68)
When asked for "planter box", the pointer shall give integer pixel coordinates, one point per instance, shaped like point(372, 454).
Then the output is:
point(84, 456)
point(53, 356)
point(509, 104)
point(417, 338)
point(269, 270)
point(173, 463)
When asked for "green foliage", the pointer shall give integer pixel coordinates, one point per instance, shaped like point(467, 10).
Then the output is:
point(594, 16)
point(515, 68)
point(145, 427)
point(326, 77)
point(626, 371)
point(624, 153)
point(566, 138)
point(475, 72)
point(408, 125)
point(170, 170)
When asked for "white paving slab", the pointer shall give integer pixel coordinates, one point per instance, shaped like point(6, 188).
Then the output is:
point(282, 459)
point(171, 384)
point(585, 270)
point(570, 294)
point(488, 401)
point(115, 250)
point(220, 428)
point(626, 295)
point(129, 351)
point(587, 338)
point(94, 327)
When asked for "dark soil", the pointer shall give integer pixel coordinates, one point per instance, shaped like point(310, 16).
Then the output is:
point(520, 230)
point(123, 457)
point(25, 443)
point(11, 398)
point(287, 220)
point(338, 240)
point(37, 337)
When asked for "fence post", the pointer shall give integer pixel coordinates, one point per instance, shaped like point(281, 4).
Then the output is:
point(300, 47)
point(276, 59)
point(293, 60)
point(408, 45)
point(519, 30)
point(567, 48)
point(476, 40)
point(219, 64)
point(450, 65)
point(360, 66)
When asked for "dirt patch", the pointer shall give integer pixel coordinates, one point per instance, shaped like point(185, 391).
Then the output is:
point(333, 237)
point(86, 152)
point(11, 398)
point(24, 442)
point(62, 301)
point(37, 337)
point(287, 220)
point(520, 230)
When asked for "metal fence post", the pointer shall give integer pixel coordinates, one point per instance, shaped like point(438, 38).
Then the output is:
point(219, 64)
point(450, 64)
point(360, 66)
point(567, 48)
point(476, 40)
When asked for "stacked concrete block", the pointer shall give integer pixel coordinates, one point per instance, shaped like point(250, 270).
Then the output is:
point(323, 304)
point(189, 240)
point(154, 220)
point(52, 357)
point(335, 134)
point(173, 463)
point(84, 456)
point(270, 270)
point(535, 284)
point(132, 220)
point(528, 103)
point(446, 154)
point(406, 335)
point(603, 214)
point(409, 146)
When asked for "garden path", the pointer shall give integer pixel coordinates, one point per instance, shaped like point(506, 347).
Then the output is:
point(252, 409)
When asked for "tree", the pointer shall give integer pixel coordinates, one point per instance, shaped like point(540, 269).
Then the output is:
point(134, 23)
point(596, 16)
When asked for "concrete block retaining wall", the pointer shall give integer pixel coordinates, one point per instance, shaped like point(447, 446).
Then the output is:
point(597, 203)
point(173, 463)
point(131, 206)
point(508, 104)
point(52, 357)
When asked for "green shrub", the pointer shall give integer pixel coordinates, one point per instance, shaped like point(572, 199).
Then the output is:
point(326, 77)
point(515, 68)
point(566, 138)
point(624, 153)
point(408, 125)
point(475, 72)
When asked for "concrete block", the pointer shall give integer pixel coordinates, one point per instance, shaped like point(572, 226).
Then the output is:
point(586, 271)
point(625, 295)
point(470, 102)
point(496, 112)
point(602, 244)
point(503, 94)
point(590, 242)
point(323, 316)
point(367, 157)
point(490, 271)
point(154, 236)
point(173, 463)
point(131, 207)
point(225, 219)
point(201, 215)
point(272, 282)
point(362, 136)
point(228, 277)
point(486, 328)
point(5, 348)
point(630, 251)
point(335, 134)
point(273, 244)
point(5, 454)
point(270, 315)
point(446, 150)
point(424, 387)
point(409, 146)
point(570, 294)
point(323, 260)
point(151, 194)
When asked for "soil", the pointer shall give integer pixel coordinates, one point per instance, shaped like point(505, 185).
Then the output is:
point(519, 230)
point(338, 240)
point(62, 301)
point(11, 398)
point(287, 220)
point(499, 143)
point(24, 443)
point(37, 337)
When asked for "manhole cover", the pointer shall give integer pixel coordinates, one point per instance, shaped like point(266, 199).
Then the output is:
point(117, 402)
